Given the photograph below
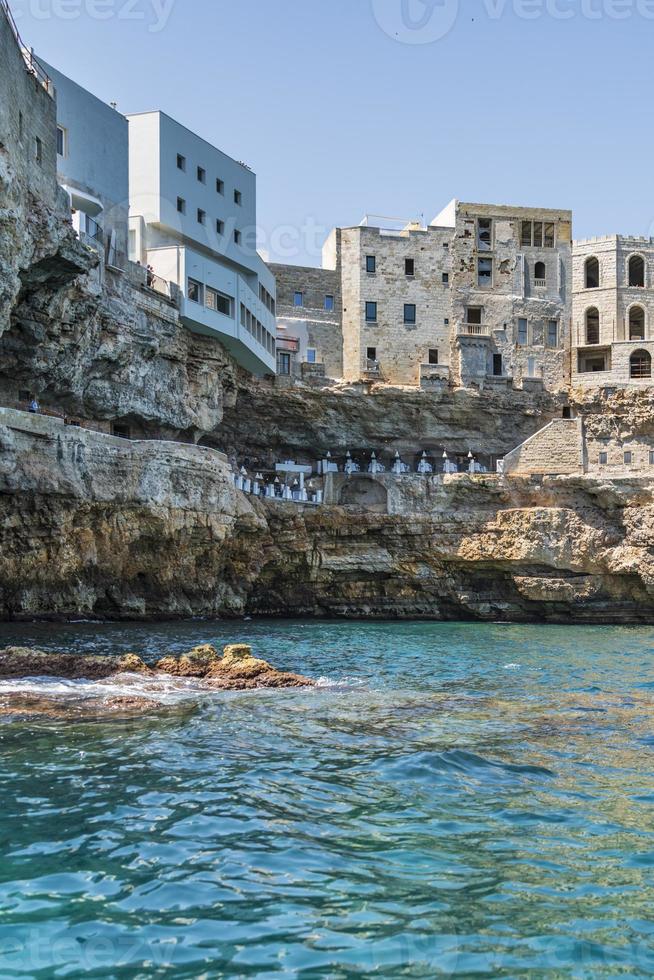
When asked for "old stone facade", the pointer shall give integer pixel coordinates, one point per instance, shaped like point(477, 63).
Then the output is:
point(613, 311)
point(309, 320)
point(510, 298)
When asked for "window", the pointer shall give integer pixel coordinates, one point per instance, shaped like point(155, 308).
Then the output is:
point(181, 162)
point(283, 362)
point(592, 273)
point(202, 175)
point(61, 141)
point(484, 234)
point(485, 273)
point(497, 366)
point(651, 458)
point(446, 321)
point(220, 186)
point(181, 205)
point(409, 312)
point(195, 291)
point(329, 303)
point(409, 267)
point(603, 459)
point(636, 270)
point(540, 274)
point(202, 217)
point(592, 326)
point(238, 198)
point(446, 278)
point(523, 332)
point(371, 265)
point(298, 299)
point(371, 353)
point(473, 315)
point(220, 226)
point(38, 150)
point(237, 236)
point(20, 126)
point(552, 333)
point(371, 312)
point(433, 356)
point(311, 355)
point(640, 365)
point(636, 323)
point(218, 302)
point(537, 234)
point(628, 458)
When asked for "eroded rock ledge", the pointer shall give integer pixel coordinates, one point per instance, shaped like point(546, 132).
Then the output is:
point(236, 670)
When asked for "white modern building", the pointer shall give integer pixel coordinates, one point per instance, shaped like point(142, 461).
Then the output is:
point(93, 166)
point(193, 222)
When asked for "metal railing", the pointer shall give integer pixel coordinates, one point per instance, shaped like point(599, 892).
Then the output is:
point(31, 65)
point(158, 284)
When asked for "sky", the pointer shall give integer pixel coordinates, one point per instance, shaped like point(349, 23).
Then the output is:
point(385, 107)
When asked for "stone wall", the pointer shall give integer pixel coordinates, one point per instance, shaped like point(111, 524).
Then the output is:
point(556, 449)
point(514, 294)
point(313, 325)
point(401, 348)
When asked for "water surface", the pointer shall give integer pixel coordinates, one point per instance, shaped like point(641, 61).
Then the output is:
point(453, 800)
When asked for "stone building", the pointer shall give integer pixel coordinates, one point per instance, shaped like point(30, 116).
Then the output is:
point(613, 311)
point(510, 293)
point(309, 320)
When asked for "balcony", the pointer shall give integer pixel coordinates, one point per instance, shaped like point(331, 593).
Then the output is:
point(473, 330)
point(540, 283)
point(290, 344)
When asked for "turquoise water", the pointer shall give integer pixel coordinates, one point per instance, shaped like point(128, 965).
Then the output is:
point(453, 800)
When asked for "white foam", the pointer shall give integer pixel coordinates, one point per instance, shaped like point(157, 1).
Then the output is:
point(162, 689)
point(512, 666)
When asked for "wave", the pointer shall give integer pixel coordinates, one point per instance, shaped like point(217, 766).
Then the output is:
point(163, 689)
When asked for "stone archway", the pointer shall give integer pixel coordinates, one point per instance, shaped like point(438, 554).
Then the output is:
point(364, 492)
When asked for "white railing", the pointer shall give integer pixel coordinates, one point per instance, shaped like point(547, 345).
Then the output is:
point(540, 283)
point(474, 329)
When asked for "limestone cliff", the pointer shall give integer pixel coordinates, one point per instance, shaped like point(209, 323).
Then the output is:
point(92, 525)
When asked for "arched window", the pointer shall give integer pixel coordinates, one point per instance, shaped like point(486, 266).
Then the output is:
point(640, 364)
point(636, 270)
point(636, 323)
point(592, 326)
point(540, 274)
point(592, 273)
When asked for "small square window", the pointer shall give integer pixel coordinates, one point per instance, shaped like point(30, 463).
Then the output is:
point(371, 264)
point(446, 321)
point(409, 312)
point(329, 303)
point(298, 299)
point(628, 458)
point(409, 267)
point(433, 356)
point(371, 312)
point(181, 162)
point(603, 459)
point(237, 236)
point(202, 175)
point(446, 278)
point(220, 186)
point(311, 355)
point(195, 291)
point(238, 197)
point(181, 205)
point(220, 226)
point(202, 217)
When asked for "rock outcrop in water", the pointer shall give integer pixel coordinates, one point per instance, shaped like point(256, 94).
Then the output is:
point(237, 669)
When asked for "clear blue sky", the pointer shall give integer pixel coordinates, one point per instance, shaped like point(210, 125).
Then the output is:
point(339, 116)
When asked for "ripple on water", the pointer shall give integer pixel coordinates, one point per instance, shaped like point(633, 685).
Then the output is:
point(452, 799)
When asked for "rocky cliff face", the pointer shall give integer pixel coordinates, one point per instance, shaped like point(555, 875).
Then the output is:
point(94, 526)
